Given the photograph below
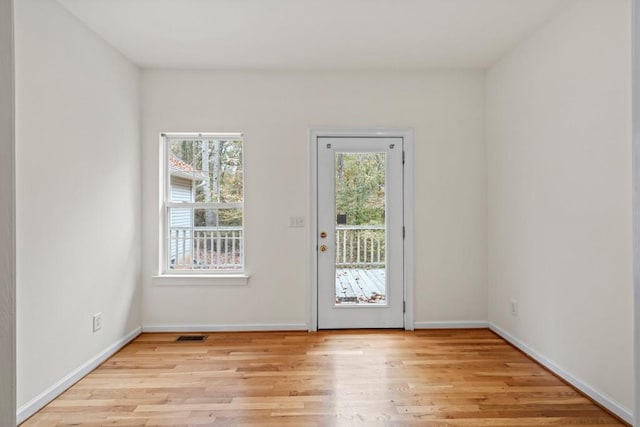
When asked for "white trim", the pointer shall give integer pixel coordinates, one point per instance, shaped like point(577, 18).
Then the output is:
point(212, 135)
point(195, 279)
point(453, 324)
point(41, 400)
point(635, 120)
point(408, 210)
point(241, 327)
point(606, 401)
point(211, 205)
point(407, 135)
point(313, 230)
point(186, 175)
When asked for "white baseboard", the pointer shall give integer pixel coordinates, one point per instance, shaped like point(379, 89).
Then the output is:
point(453, 324)
point(241, 327)
point(41, 400)
point(600, 398)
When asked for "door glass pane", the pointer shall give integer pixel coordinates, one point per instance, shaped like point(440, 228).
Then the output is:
point(360, 229)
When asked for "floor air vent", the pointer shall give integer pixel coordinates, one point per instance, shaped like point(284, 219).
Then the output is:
point(191, 338)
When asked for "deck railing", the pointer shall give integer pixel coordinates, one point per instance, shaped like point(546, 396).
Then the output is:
point(360, 246)
point(218, 248)
point(221, 248)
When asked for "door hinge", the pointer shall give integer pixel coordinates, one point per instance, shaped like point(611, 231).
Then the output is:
point(404, 306)
point(403, 157)
point(403, 232)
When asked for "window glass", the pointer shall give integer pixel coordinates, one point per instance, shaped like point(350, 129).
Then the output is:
point(204, 203)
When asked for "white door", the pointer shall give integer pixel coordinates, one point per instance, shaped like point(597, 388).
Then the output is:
point(360, 233)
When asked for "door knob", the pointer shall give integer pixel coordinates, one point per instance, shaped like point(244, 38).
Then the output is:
point(323, 248)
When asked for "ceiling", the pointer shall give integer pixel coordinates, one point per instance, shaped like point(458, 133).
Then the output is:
point(314, 34)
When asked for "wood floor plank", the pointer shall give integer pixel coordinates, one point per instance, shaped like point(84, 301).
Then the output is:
point(330, 378)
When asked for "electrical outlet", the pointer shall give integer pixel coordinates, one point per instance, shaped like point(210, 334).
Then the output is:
point(97, 322)
point(296, 221)
point(514, 307)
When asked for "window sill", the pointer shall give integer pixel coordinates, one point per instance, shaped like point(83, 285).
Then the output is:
point(231, 279)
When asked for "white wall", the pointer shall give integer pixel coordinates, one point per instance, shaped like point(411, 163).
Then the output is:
point(7, 221)
point(559, 165)
point(78, 195)
point(275, 110)
point(558, 214)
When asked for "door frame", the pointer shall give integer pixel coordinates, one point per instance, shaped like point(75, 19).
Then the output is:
point(407, 208)
point(635, 232)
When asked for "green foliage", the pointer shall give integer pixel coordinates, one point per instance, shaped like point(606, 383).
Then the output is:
point(217, 167)
point(360, 187)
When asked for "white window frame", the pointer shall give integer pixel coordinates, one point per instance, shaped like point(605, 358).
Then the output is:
point(169, 276)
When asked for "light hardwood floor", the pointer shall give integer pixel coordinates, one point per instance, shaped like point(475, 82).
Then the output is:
point(329, 378)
